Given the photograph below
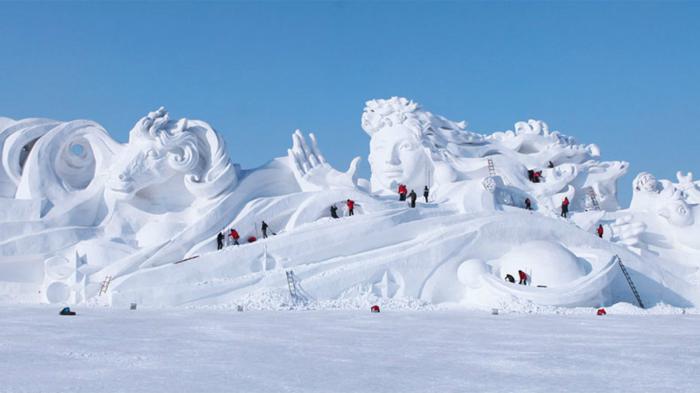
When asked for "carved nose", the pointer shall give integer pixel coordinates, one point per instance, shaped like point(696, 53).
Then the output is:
point(393, 158)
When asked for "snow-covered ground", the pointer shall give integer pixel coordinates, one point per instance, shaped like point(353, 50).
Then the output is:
point(197, 350)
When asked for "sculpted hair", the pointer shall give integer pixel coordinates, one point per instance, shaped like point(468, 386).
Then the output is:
point(192, 148)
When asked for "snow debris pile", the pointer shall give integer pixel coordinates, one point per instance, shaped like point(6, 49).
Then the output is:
point(85, 219)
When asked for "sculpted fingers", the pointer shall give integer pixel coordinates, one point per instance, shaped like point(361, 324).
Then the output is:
point(299, 152)
point(293, 160)
point(352, 170)
point(314, 148)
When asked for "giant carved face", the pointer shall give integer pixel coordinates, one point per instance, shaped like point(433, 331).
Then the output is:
point(397, 156)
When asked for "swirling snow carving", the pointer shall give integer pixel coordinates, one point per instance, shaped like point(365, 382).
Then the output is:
point(160, 149)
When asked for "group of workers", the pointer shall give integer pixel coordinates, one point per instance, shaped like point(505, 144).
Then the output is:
point(521, 275)
point(533, 175)
point(412, 196)
point(234, 236)
point(351, 208)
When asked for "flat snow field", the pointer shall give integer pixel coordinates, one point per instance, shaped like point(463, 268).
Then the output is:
point(185, 350)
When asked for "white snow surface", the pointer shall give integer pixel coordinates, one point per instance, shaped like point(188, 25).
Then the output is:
point(87, 220)
point(186, 350)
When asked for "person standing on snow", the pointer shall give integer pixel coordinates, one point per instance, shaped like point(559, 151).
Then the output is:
point(235, 236)
point(600, 231)
point(426, 193)
point(413, 197)
point(220, 241)
point(528, 204)
point(264, 229)
point(402, 192)
point(334, 211)
point(565, 207)
point(351, 207)
point(523, 277)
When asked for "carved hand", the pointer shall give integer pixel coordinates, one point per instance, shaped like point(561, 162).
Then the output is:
point(311, 170)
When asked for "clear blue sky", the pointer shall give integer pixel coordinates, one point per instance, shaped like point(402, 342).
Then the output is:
point(623, 75)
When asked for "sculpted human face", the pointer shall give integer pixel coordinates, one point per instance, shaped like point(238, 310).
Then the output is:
point(396, 156)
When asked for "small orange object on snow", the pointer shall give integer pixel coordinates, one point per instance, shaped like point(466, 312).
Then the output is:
point(374, 308)
point(601, 311)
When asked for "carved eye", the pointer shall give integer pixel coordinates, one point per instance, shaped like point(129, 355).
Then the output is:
point(405, 146)
point(682, 210)
point(152, 154)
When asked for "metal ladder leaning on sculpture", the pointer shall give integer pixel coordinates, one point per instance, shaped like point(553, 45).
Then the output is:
point(105, 285)
point(594, 199)
point(295, 290)
point(492, 167)
point(629, 281)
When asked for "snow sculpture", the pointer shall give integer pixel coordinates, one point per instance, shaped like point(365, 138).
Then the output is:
point(160, 149)
point(63, 283)
point(311, 170)
point(411, 146)
point(689, 188)
point(627, 231)
point(139, 212)
point(573, 166)
point(51, 162)
point(668, 209)
point(489, 184)
point(645, 182)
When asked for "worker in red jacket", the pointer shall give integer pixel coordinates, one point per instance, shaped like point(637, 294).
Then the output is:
point(235, 236)
point(565, 207)
point(600, 231)
point(523, 277)
point(403, 190)
point(351, 207)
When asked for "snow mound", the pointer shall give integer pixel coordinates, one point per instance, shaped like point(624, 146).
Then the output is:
point(545, 263)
